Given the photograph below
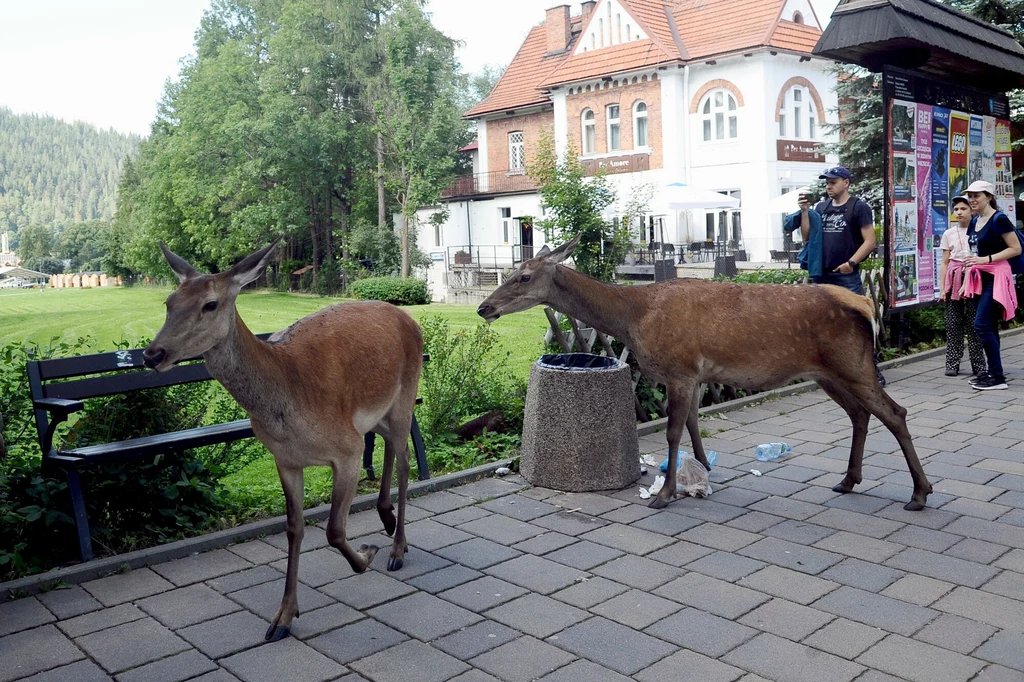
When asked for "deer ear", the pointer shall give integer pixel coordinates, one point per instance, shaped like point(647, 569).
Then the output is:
point(253, 265)
point(565, 250)
point(179, 266)
point(543, 252)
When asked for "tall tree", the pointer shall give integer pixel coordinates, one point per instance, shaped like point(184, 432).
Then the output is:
point(575, 204)
point(861, 145)
point(418, 115)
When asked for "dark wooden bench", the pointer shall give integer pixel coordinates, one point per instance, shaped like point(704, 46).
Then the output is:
point(59, 386)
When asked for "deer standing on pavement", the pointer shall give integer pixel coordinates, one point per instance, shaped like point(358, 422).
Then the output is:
point(756, 336)
point(311, 391)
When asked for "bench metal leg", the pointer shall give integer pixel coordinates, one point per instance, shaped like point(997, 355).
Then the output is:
point(368, 440)
point(417, 445)
point(81, 519)
point(421, 451)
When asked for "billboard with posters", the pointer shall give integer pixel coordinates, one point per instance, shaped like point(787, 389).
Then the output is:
point(940, 137)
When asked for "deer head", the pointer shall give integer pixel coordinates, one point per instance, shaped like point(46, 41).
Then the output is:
point(201, 311)
point(529, 286)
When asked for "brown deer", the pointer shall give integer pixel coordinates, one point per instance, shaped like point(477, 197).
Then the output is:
point(755, 336)
point(311, 391)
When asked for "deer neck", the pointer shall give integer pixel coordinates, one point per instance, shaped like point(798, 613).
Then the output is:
point(240, 364)
point(609, 308)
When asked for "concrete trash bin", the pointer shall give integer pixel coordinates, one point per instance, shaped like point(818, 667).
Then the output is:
point(579, 430)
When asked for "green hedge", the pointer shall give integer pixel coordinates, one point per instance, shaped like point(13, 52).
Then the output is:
point(392, 290)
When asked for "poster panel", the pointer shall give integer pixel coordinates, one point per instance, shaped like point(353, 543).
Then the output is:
point(940, 137)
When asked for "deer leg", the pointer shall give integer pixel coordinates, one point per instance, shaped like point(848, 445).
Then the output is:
point(693, 428)
point(678, 409)
point(859, 417)
point(398, 447)
point(876, 401)
point(385, 509)
point(291, 483)
point(345, 471)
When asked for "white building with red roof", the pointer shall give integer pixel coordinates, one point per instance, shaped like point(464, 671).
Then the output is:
point(719, 94)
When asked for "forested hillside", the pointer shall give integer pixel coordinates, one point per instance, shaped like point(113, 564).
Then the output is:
point(53, 174)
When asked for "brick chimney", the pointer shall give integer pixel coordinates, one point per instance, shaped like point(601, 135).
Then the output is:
point(588, 8)
point(557, 22)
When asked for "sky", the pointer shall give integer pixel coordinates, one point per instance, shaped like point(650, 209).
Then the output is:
point(105, 62)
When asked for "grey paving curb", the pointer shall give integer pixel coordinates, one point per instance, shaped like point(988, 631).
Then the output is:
point(176, 550)
point(98, 568)
point(662, 424)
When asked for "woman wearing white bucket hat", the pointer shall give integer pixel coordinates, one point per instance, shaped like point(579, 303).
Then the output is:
point(993, 242)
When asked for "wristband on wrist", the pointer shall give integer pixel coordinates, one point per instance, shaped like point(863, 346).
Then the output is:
point(990, 258)
point(852, 264)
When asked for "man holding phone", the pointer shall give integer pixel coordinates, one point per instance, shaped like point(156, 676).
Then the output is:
point(847, 231)
point(845, 228)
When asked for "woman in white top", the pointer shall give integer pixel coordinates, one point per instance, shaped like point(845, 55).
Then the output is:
point(960, 311)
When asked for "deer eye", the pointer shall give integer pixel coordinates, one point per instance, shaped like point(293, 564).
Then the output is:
point(210, 307)
point(524, 278)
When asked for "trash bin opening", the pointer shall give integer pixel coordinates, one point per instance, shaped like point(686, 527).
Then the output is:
point(577, 362)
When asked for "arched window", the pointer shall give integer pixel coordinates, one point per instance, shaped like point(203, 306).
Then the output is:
point(798, 117)
point(614, 128)
point(798, 18)
point(627, 33)
point(719, 116)
point(516, 152)
point(600, 27)
point(589, 132)
point(640, 124)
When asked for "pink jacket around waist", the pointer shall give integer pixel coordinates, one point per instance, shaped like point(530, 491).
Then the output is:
point(955, 278)
point(1003, 290)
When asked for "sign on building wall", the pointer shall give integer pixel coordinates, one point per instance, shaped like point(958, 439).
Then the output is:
point(940, 137)
point(790, 150)
point(629, 163)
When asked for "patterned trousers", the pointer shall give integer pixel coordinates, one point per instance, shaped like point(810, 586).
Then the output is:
point(959, 321)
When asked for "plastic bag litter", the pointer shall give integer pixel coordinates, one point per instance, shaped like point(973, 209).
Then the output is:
point(691, 479)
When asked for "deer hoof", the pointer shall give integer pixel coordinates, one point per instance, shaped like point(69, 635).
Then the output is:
point(387, 517)
point(394, 563)
point(843, 487)
point(275, 633)
point(658, 503)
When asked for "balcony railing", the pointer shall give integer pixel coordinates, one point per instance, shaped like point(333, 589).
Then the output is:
point(495, 182)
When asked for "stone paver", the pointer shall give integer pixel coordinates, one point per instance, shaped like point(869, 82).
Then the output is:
point(288, 659)
point(130, 645)
point(772, 578)
point(32, 651)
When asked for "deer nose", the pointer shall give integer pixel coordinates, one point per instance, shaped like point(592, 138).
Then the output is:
point(485, 309)
point(151, 357)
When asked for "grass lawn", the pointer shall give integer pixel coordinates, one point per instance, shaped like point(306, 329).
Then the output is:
point(107, 316)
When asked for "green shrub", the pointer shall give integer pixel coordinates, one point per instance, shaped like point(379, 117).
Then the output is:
point(130, 505)
point(768, 276)
point(467, 375)
point(391, 289)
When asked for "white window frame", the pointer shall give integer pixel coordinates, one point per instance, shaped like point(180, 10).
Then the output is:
point(639, 115)
point(719, 117)
point(589, 143)
point(516, 152)
point(613, 124)
point(799, 118)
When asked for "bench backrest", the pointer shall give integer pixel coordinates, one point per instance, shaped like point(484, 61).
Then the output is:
point(102, 374)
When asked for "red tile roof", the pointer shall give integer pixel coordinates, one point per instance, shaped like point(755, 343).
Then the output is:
point(797, 37)
point(635, 54)
point(703, 29)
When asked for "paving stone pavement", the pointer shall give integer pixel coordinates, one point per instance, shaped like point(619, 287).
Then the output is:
point(775, 577)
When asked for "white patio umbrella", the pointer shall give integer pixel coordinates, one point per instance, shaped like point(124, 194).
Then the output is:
point(678, 196)
point(786, 203)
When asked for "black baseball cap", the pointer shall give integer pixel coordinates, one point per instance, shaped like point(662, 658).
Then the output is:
point(835, 172)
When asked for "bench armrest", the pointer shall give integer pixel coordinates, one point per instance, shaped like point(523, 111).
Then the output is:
point(59, 406)
point(59, 409)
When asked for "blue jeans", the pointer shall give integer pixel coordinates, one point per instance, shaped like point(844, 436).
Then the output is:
point(986, 323)
point(850, 281)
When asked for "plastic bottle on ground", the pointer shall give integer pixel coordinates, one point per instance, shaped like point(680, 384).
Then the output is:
point(710, 454)
point(766, 452)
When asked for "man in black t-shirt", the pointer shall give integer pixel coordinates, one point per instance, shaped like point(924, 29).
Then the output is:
point(844, 245)
point(848, 235)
